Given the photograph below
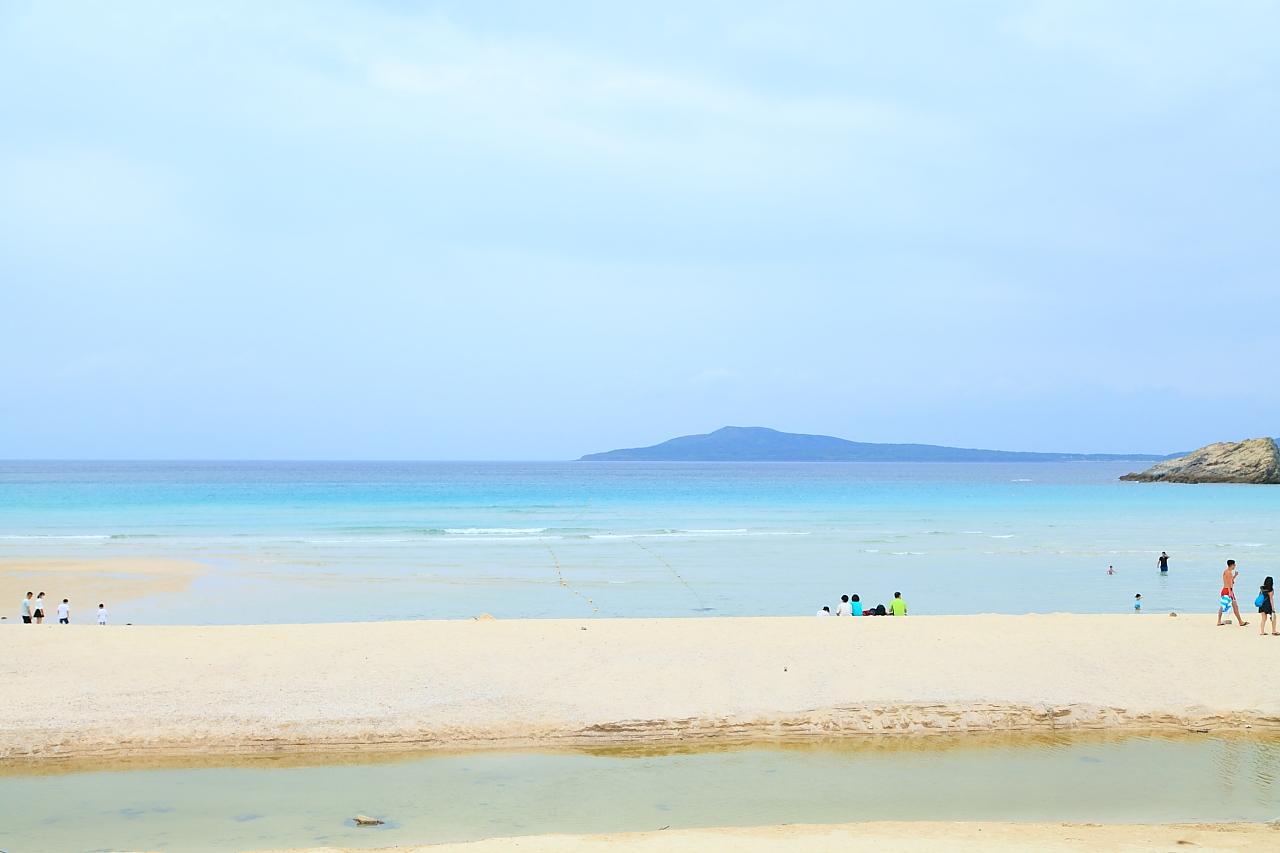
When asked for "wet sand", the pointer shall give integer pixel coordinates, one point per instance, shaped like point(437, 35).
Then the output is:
point(88, 582)
point(888, 837)
point(160, 690)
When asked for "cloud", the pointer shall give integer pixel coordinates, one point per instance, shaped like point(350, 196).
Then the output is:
point(1168, 50)
point(578, 107)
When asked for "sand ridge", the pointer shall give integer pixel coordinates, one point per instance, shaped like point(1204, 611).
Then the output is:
point(888, 837)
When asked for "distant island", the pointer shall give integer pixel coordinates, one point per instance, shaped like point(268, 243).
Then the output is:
point(761, 444)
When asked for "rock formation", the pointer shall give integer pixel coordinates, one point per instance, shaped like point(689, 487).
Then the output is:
point(1256, 460)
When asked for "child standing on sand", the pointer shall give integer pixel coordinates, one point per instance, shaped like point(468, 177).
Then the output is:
point(64, 612)
point(1137, 603)
point(102, 614)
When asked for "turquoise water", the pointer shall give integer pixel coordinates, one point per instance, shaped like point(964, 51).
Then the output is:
point(340, 541)
point(276, 804)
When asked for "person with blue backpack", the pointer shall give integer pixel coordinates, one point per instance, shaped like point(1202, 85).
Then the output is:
point(1267, 607)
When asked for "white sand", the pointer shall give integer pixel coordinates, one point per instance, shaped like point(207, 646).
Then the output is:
point(151, 690)
point(891, 838)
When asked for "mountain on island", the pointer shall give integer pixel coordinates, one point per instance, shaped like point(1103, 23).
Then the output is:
point(1255, 460)
point(761, 444)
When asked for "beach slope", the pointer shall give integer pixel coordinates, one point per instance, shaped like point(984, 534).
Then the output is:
point(183, 691)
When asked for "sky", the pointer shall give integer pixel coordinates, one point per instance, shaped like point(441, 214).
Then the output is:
point(466, 230)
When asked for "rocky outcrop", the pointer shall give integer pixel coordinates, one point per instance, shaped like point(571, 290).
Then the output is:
point(1256, 460)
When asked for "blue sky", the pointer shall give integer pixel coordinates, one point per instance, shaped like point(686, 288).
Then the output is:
point(397, 230)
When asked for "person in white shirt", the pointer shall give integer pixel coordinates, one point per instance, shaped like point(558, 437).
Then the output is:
point(27, 607)
point(39, 612)
point(844, 609)
point(64, 612)
point(825, 611)
point(102, 614)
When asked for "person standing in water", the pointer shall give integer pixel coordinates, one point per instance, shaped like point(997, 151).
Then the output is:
point(1163, 562)
point(1267, 607)
point(1229, 591)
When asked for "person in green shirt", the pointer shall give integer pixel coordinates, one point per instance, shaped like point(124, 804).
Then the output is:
point(898, 607)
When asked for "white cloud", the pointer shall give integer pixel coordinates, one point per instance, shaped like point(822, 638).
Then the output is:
point(429, 76)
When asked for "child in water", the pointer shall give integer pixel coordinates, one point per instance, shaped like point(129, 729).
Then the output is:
point(1137, 603)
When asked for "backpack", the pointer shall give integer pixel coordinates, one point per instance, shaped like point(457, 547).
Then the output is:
point(1260, 600)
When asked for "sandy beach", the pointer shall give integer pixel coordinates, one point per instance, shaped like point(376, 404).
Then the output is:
point(87, 582)
point(887, 837)
point(188, 691)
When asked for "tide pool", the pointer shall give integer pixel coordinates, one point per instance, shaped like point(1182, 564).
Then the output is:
point(287, 802)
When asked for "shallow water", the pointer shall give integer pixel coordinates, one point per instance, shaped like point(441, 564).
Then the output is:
point(353, 541)
point(288, 803)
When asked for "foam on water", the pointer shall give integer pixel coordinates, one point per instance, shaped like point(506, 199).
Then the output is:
point(345, 541)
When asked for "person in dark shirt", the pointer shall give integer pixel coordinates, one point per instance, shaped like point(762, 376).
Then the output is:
point(1164, 562)
point(1267, 607)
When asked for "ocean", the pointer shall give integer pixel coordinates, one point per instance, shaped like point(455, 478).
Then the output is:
point(341, 541)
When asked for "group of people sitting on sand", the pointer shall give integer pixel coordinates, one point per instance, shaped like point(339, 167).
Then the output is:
point(851, 605)
point(32, 611)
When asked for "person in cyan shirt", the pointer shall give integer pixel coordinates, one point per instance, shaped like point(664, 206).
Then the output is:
point(855, 604)
point(898, 607)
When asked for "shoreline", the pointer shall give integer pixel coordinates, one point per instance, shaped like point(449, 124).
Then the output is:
point(359, 755)
point(883, 837)
point(161, 692)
